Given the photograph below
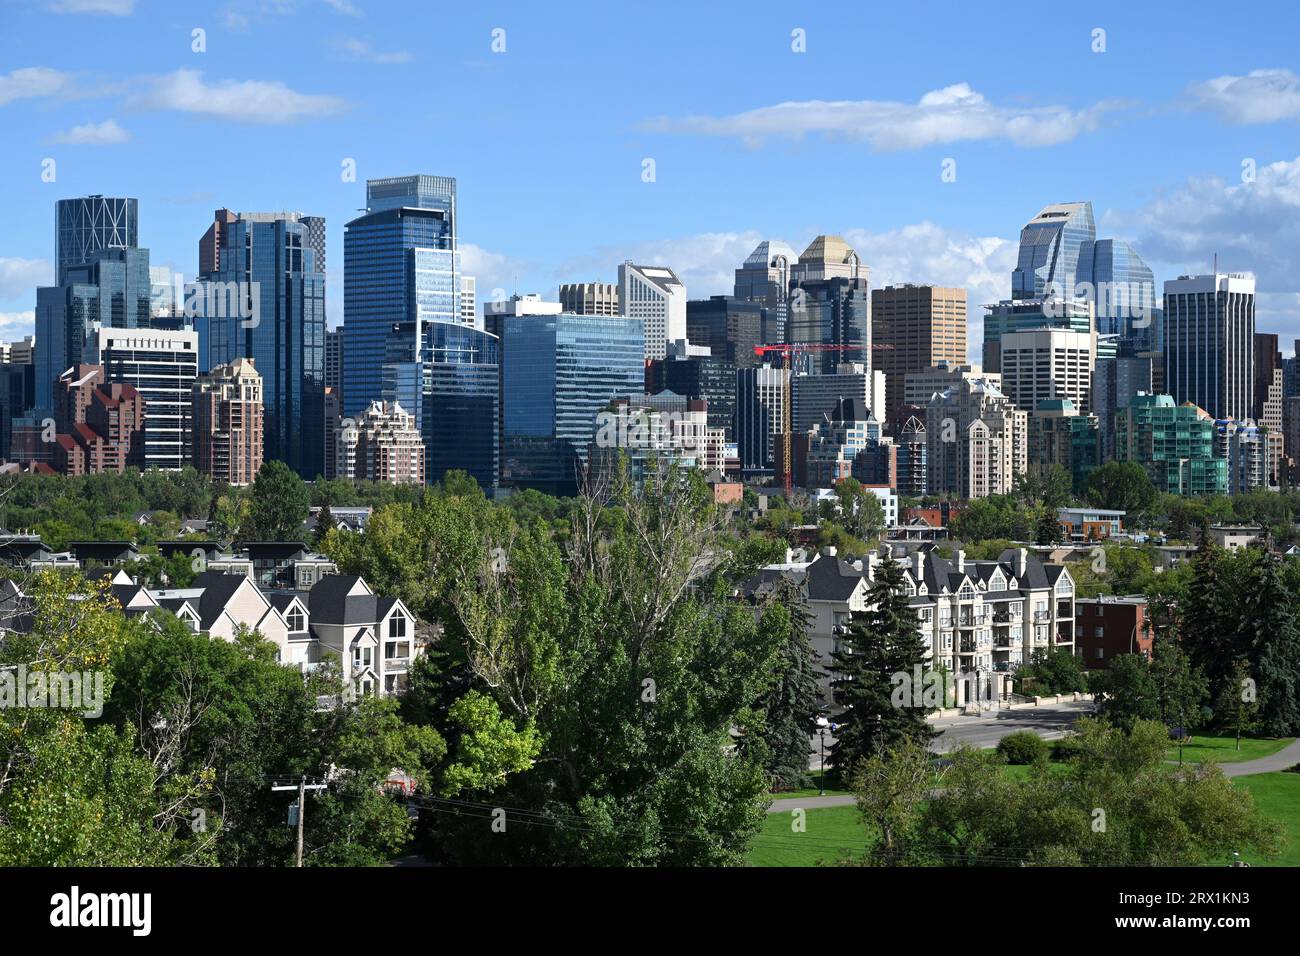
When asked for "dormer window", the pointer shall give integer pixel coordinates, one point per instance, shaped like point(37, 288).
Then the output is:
point(296, 620)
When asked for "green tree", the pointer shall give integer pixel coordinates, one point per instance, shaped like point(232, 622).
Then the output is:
point(790, 705)
point(1122, 485)
point(1125, 691)
point(280, 504)
point(1237, 706)
point(890, 788)
point(881, 643)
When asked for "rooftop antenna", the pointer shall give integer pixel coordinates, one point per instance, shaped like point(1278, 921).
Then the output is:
point(1216, 263)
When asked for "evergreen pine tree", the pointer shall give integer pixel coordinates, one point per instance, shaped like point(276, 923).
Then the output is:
point(790, 706)
point(882, 642)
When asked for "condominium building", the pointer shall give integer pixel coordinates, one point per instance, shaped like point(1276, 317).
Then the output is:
point(1245, 447)
point(976, 441)
point(228, 423)
point(657, 297)
point(919, 386)
point(380, 444)
point(834, 443)
point(816, 396)
point(101, 424)
point(1059, 435)
point(1210, 343)
point(590, 298)
point(924, 326)
point(1174, 443)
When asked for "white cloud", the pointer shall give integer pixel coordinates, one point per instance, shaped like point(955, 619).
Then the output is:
point(20, 277)
point(492, 271)
point(247, 101)
point(116, 8)
point(361, 50)
point(1251, 227)
point(948, 115)
point(93, 134)
point(32, 81)
point(344, 7)
point(15, 325)
point(1261, 96)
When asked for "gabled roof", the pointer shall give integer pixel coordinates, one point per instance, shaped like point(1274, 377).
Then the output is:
point(832, 579)
point(336, 599)
point(218, 589)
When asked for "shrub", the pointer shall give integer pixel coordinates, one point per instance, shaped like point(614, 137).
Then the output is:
point(1023, 747)
point(1067, 748)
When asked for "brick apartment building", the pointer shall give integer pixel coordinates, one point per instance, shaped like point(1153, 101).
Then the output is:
point(1111, 625)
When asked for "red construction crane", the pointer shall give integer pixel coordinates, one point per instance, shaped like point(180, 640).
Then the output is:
point(786, 350)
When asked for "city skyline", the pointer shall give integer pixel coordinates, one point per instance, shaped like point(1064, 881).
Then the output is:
point(872, 137)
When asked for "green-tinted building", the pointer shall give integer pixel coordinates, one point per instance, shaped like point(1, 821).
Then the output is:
point(1059, 435)
point(1174, 443)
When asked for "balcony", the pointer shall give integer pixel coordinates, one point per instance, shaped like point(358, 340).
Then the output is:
point(397, 663)
point(1003, 641)
point(1041, 616)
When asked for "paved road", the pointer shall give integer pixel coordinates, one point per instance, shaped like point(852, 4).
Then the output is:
point(1288, 756)
point(1049, 721)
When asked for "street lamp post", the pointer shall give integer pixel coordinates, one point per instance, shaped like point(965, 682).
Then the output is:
point(822, 724)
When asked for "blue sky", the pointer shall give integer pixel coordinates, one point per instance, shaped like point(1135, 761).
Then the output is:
point(749, 138)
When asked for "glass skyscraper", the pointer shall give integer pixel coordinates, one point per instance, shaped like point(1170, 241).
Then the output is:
point(401, 270)
point(559, 373)
point(274, 261)
point(1125, 290)
point(89, 225)
point(1055, 252)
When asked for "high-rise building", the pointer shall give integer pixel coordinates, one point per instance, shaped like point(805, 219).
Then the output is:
point(590, 298)
point(910, 458)
point(976, 441)
point(18, 353)
point(701, 376)
point(1055, 253)
point(923, 326)
point(281, 327)
point(1115, 381)
point(657, 297)
point(228, 423)
point(91, 225)
point(730, 328)
point(1045, 364)
point(401, 270)
point(469, 301)
point(334, 360)
point(761, 395)
point(559, 371)
point(830, 304)
point(919, 386)
point(162, 365)
point(1173, 442)
point(1244, 446)
point(101, 424)
point(17, 393)
point(835, 442)
point(1210, 343)
point(112, 289)
point(816, 396)
point(381, 444)
point(1060, 436)
point(1024, 316)
point(1124, 295)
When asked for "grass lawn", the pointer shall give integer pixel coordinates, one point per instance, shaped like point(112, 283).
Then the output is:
point(1224, 749)
point(814, 791)
point(1278, 797)
point(829, 831)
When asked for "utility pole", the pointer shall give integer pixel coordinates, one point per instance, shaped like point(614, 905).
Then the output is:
point(302, 786)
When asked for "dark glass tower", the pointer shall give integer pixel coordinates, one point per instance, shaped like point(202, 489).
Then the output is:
point(88, 225)
point(269, 261)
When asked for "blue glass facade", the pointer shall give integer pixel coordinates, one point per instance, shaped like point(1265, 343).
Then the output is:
point(284, 335)
point(559, 372)
point(401, 268)
point(1125, 294)
point(1055, 252)
point(90, 225)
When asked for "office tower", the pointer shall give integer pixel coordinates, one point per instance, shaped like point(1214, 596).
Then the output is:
point(1012, 316)
point(650, 433)
point(1124, 293)
point(334, 359)
point(401, 269)
point(91, 225)
point(923, 325)
point(590, 298)
point(381, 444)
point(18, 353)
point(162, 298)
point(816, 396)
point(1055, 253)
point(452, 390)
point(1210, 343)
point(830, 304)
point(730, 328)
point(559, 371)
point(1115, 381)
point(1267, 403)
point(1244, 446)
point(228, 423)
point(919, 386)
point(214, 241)
point(976, 441)
point(469, 301)
point(1173, 442)
point(162, 366)
point(657, 297)
point(281, 327)
point(687, 372)
point(910, 457)
point(101, 424)
point(764, 278)
point(1047, 363)
point(17, 392)
point(761, 394)
point(333, 415)
point(834, 443)
point(1059, 435)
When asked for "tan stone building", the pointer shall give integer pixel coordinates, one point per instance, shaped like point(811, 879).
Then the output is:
point(228, 423)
